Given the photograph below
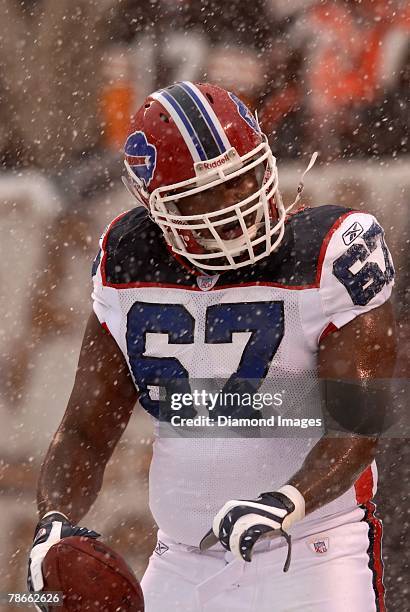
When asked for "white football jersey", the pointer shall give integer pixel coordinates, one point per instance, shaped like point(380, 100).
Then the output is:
point(261, 323)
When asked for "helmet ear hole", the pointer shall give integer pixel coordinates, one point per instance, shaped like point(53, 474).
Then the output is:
point(164, 118)
point(210, 98)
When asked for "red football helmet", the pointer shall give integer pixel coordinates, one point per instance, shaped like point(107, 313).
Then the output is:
point(190, 138)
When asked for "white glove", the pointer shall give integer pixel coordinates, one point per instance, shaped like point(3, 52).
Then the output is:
point(51, 529)
point(239, 524)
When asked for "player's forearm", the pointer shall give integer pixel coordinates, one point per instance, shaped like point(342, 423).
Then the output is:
point(71, 477)
point(331, 468)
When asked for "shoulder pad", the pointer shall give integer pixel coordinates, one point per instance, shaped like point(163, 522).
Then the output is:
point(134, 253)
point(311, 227)
point(130, 241)
point(132, 220)
point(296, 261)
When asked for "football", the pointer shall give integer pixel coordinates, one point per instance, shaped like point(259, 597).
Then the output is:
point(91, 577)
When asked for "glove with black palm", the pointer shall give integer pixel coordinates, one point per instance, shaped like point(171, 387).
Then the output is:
point(50, 529)
point(239, 524)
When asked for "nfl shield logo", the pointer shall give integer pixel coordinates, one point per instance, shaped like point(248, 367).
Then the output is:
point(205, 283)
point(321, 546)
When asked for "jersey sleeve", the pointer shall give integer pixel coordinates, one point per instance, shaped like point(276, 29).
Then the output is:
point(104, 298)
point(99, 303)
point(355, 267)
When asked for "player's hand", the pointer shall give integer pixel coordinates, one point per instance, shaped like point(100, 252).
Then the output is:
point(51, 529)
point(239, 524)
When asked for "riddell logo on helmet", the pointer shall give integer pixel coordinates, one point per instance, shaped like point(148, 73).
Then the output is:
point(216, 162)
point(230, 157)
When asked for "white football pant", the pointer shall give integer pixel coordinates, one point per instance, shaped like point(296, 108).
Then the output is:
point(336, 570)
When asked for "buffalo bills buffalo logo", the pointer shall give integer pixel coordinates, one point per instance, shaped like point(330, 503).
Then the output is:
point(245, 113)
point(141, 156)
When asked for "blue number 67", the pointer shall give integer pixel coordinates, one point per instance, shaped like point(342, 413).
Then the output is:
point(265, 321)
point(370, 279)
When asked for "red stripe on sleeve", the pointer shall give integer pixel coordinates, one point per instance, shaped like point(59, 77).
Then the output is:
point(329, 329)
point(106, 328)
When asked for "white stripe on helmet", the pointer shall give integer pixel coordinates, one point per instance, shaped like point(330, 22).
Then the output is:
point(178, 122)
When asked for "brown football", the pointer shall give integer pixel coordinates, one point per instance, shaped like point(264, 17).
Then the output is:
point(91, 576)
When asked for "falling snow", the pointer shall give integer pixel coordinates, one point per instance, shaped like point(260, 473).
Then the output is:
point(329, 76)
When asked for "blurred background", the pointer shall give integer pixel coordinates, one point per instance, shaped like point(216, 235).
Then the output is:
point(331, 76)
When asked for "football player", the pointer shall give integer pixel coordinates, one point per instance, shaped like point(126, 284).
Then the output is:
point(209, 279)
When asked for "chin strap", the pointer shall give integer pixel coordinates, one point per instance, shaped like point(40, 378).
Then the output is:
point(301, 183)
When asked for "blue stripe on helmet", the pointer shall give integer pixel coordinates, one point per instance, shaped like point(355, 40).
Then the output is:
point(186, 123)
point(205, 114)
